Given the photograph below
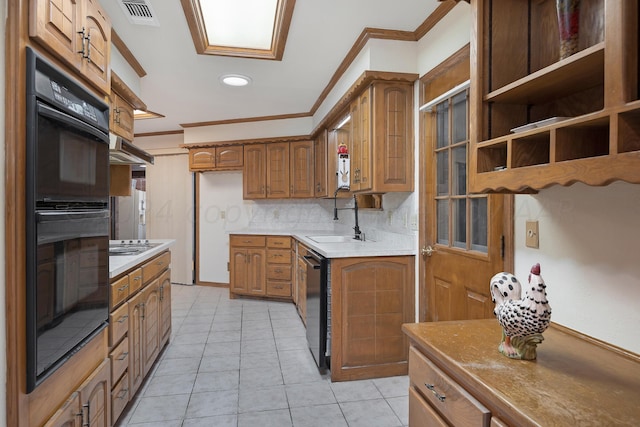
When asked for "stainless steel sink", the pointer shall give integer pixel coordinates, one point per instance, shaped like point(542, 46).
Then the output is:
point(333, 239)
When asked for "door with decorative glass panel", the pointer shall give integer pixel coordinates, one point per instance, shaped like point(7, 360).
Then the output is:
point(462, 238)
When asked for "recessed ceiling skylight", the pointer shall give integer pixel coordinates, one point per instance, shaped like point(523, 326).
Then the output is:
point(235, 80)
point(244, 28)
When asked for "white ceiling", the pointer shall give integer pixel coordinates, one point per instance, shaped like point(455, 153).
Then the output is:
point(184, 86)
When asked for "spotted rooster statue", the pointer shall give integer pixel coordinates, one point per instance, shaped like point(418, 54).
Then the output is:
point(523, 319)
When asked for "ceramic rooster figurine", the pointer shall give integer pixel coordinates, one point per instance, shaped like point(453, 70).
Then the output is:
point(523, 319)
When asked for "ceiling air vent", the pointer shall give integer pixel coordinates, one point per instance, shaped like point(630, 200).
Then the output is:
point(139, 12)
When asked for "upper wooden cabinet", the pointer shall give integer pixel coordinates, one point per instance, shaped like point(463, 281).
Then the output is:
point(216, 158)
point(121, 118)
point(379, 136)
point(278, 170)
point(77, 32)
point(321, 169)
point(301, 166)
point(538, 120)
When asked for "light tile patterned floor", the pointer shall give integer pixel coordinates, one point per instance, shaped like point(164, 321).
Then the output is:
point(245, 363)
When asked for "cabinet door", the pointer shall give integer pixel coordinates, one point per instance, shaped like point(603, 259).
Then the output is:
point(68, 415)
point(97, 47)
point(121, 121)
point(136, 366)
point(254, 175)
point(202, 158)
point(150, 325)
point(278, 170)
point(393, 137)
point(320, 170)
point(229, 158)
point(256, 267)
point(361, 142)
point(301, 169)
point(165, 307)
point(238, 271)
point(56, 25)
point(96, 399)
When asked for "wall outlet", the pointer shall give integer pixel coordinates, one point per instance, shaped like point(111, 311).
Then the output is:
point(532, 238)
point(413, 223)
point(223, 214)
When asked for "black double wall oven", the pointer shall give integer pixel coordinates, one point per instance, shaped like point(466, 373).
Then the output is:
point(67, 217)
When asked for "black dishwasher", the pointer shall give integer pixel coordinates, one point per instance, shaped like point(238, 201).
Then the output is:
point(317, 307)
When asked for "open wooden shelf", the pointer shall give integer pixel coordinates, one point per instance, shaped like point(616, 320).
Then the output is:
point(578, 72)
point(596, 88)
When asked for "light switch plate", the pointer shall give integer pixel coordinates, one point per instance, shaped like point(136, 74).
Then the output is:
point(532, 238)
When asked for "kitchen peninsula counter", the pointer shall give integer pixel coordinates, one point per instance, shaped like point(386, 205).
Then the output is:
point(119, 264)
point(383, 244)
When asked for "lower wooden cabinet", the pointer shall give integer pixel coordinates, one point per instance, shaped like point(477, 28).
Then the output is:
point(370, 300)
point(459, 378)
point(260, 266)
point(90, 405)
point(139, 327)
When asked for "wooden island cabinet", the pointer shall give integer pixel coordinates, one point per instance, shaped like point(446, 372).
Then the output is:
point(140, 322)
point(458, 377)
point(371, 297)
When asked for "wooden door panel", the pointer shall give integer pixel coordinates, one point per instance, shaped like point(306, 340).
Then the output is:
point(462, 241)
point(254, 173)
point(136, 364)
point(151, 325)
point(278, 170)
point(302, 165)
point(97, 46)
point(96, 399)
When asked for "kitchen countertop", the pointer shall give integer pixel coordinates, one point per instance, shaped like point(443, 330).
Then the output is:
point(118, 264)
point(382, 244)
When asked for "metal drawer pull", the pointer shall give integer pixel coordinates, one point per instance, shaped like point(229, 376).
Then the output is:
point(123, 393)
point(123, 356)
point(440, 397)
point(122, 319)
point(122, 288)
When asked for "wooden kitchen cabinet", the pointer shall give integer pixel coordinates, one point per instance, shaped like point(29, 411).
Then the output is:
point(78, 32)
point(277, 169)
point(260, 266)
point(254, 176)
point(121, 118)
point(247, 265)
point(301, 282)
point(216, 158)
point(139, 326)
point(538, 120)
point(321, 168)
point(90, 405)
point(279, 266)
point(301, 174)
point(574, 380)
point(379, 136)
point(370, 300)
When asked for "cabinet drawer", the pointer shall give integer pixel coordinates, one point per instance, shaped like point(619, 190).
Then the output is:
point(421, 413)
point(247, 241)
point(459, 408)
point(278, 272)
point(135, 281)
point(279, 256)
point(151, 269)
point(119, 360)
point(119, 291)
point(280, 289)
point(118, 324)
point(119, 397)
point(279, 242)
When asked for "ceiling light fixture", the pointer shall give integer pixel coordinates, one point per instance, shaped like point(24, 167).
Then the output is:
point(235, 80)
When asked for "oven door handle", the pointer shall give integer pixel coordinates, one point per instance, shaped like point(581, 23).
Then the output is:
point(69, 215)
point(71, 121)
